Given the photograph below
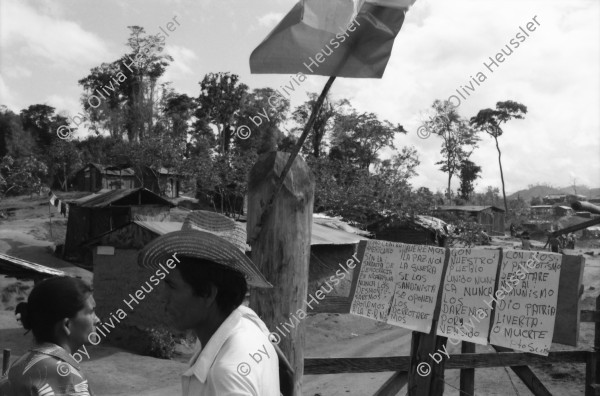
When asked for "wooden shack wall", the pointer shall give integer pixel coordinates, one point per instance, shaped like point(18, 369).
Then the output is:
point(132, 236)
point(116, 280)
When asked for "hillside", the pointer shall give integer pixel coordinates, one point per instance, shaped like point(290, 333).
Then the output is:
point(541, 190)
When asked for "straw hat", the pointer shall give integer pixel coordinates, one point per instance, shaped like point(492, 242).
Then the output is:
point(206, 235)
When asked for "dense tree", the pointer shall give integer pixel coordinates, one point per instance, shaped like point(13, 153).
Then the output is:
point(219, 104)
point(324, 121)
point(458, 138)
point(489, 121)
point(358, 138)
point(65, 161)
point(469, 172)
point(23, 175)
point(120, 96)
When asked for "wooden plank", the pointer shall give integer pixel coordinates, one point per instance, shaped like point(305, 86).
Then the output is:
point(5, 360)
point(590, 374)
point(467, 376)
point(577, 227)
point(589, 316)
point(528, 377)
point(314, 366)
point(393, 385)
point(566, 325)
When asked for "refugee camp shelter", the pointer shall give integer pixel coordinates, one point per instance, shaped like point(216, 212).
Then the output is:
point(96, 214)
point(541, 211)
point(94, 177)
point(117, 274)
point(162, 181)
point(418, 230)
point(491, 218)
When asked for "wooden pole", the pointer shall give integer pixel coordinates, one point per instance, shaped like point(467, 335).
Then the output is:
point(311, 121)
point(50, 214)
point(281, 250)
point(467, 376)
point(5, 360)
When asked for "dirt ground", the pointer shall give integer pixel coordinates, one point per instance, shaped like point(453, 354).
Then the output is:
point(25, 233)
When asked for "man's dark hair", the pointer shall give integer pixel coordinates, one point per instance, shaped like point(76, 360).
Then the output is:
point(200, 274)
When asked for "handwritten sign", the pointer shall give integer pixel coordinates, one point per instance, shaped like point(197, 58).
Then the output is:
point(526, 301)
point(375, 286)
point(399, 284)
point(417, 278)
point(470, 278)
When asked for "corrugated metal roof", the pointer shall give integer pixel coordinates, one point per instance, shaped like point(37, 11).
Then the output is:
point(127, 172)
point(470, 208)
point(109, 197)
point(321, 235)
point(19, 268)
point(160, 227)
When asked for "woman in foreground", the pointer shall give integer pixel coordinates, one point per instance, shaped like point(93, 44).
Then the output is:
point(60, 314)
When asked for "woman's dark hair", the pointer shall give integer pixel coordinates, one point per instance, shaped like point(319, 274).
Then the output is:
point(200, 274)
point(51, 301)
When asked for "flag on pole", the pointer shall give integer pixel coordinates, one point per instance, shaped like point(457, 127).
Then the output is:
point(345, 38)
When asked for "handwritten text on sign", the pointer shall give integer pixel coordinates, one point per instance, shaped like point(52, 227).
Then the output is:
point(399, 283)
point(526, 301)
point(470, 277)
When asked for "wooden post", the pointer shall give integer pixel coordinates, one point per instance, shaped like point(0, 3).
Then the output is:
point(423, 345)
point(467, 376)
point(281, 250)
point(5, 360)
point(592, 368)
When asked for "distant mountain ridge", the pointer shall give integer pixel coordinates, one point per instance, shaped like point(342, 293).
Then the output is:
point(542, 190)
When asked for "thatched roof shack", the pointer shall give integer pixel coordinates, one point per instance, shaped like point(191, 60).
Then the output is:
point(116, 273)
point(491, 218)
point(96, 214)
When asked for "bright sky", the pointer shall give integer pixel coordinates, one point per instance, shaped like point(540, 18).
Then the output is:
point(47, 45)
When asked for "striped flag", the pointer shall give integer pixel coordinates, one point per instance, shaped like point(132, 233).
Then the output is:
point(345, 38)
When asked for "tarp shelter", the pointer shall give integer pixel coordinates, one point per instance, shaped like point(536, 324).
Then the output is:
point(491, 218)
point(117, 274)
point(97, 214)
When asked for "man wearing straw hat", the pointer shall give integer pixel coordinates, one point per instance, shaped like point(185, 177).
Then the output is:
point(204, 293)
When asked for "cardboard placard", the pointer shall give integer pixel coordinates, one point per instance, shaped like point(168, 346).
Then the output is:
point(470, 280)
point(399, 284)
point(525, 302)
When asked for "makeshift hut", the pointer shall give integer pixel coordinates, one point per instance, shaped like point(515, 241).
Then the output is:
point(117, 275)
point(162, 181)
point(419, 230)
point(491, 218)
point(96, 214)
point(94, 177)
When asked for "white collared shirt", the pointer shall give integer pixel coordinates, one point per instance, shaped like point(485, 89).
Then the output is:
point(238, 360)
